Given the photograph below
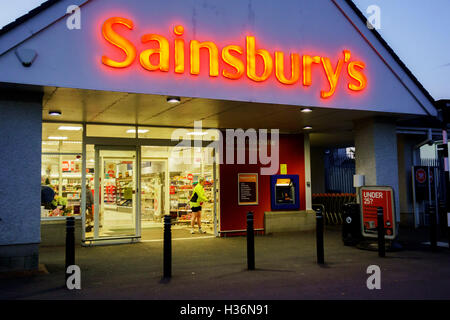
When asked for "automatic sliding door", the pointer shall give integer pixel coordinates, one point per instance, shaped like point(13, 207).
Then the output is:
point(116, 205)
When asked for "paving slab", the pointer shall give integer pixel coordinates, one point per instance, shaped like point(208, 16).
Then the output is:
point(207, 268)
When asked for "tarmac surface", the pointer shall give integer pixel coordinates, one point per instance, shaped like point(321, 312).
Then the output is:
point(210, 268)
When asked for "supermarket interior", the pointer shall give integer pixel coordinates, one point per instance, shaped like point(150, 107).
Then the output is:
point(165, 176)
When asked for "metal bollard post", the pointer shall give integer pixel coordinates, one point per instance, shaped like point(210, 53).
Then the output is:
point(433, 227)
point(167, 247)
point(319, 236)
point(70, 244)
point(250, 242)
point(380, 223)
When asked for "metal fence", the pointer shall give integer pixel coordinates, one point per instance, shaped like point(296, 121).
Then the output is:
point(439, 192)
point(339, 171)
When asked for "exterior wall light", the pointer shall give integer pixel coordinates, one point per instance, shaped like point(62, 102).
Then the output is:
point(173, 100)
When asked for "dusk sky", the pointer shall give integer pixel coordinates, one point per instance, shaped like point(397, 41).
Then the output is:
point(418, 31)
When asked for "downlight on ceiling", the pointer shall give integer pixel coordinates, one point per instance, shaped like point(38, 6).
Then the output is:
point(173, 100)
point(54, 113)
point(307, 128)
point(306, 110)
point(139, 131)
point(70, 128)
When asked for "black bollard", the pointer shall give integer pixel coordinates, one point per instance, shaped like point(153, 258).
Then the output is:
point(380, 223)
point(70, 244)
point(433, 227)
point(250, 242)
point(319, 236)
point(167, 247)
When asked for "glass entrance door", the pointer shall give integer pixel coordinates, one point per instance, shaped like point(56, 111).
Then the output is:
point(154, 195)
point(116, 193)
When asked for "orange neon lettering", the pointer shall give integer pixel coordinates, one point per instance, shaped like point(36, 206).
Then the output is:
point(233, 61)
point(162, 51)
point(178, 30)
point(279, 68)
point(307, 74)
point(114, 38)
point(332, 76)
point(213, 57)
point(251, 61)
point(179, 50)
point(257, 64)
point(357, 75)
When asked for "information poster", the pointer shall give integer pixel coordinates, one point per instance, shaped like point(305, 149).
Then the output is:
point(371, 199)
point(247, 189)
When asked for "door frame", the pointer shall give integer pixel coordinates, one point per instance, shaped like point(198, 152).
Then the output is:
point(136, 144)
point(98, 188)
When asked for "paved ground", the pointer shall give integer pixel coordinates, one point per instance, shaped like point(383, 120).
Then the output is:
point(215, 268)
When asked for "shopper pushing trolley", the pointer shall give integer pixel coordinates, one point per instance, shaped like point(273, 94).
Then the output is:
point(197, 199)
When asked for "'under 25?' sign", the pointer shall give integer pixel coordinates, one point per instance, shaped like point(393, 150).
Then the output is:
point(237, 61)
point(371, 199)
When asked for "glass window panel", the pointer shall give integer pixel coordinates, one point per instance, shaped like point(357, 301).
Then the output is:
point(62, 173)
point(62, 137)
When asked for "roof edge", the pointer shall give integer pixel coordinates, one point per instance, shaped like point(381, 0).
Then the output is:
point(27, 16)
point(392, 53)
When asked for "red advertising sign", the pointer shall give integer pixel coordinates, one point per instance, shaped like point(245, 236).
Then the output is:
point(190, 176)
point(371, 199)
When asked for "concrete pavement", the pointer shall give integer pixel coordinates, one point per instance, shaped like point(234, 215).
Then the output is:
point(215, 268)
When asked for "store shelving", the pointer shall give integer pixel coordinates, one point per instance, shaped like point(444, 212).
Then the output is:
point(181, 192)
point(152, 195)
point(124, 187)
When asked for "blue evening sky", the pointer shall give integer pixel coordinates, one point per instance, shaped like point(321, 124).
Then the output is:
point(417, 30)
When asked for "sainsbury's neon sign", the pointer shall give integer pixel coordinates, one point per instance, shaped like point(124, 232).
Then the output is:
point(238, 61)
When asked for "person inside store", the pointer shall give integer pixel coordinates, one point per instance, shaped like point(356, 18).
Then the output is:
point(197, 199)
point(89, 211)
point(47, 197)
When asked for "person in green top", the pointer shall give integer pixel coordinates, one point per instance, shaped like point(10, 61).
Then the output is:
point(197, 199)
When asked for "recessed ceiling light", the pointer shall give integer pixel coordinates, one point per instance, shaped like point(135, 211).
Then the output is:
point(196, 133)
point(54, 113)
point(57, 138)
point(306, 110)
point(173, 100)
point(139, 131)
point(70, 128)
point(307, 127)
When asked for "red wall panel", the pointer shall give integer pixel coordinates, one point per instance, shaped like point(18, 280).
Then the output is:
point(233, 216)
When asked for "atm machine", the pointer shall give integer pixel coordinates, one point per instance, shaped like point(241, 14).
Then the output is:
point(284, 192)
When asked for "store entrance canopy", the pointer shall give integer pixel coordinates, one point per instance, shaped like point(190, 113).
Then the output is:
point(310, 53)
